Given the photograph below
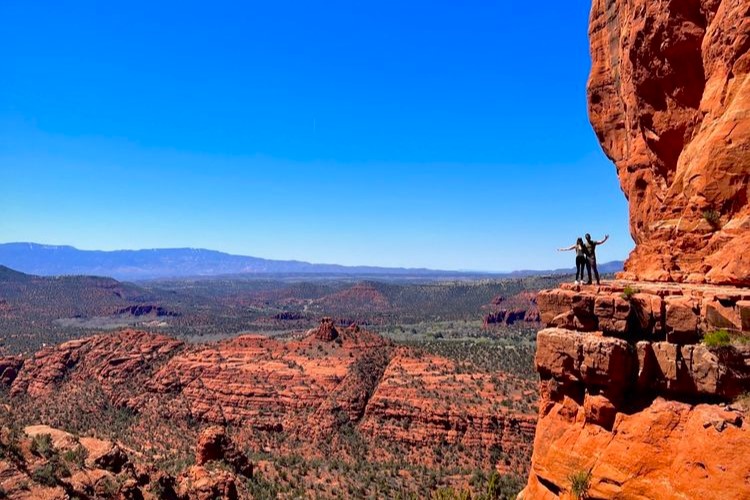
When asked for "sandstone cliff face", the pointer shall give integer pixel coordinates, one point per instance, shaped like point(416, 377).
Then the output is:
point(634, 403)
point(669, 99)
point(631, 396)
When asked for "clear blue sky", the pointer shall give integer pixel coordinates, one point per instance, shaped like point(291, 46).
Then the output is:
point(449, 135)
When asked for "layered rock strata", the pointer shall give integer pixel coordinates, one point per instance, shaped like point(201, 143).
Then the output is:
point(635, 396)
point(306, 388)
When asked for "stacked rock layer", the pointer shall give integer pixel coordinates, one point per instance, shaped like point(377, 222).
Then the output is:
point(635, 398)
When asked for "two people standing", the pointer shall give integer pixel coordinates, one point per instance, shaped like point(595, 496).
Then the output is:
point(585, 257)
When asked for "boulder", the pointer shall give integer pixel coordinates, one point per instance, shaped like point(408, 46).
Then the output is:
point(682, 317)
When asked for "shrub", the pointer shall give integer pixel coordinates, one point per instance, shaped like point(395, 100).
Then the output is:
point(712, 217)
point(110, 487)
point(10, 439)
point(41, 445)
point(503, 487)
point(450, 494)
point(743, 400)
point(45, 475)
point(628, 292)
point(579, 484)
point(717, 338)
point(76, 456)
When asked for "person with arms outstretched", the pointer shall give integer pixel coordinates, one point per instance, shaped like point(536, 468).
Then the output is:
point(591, 254)
point(581, 261)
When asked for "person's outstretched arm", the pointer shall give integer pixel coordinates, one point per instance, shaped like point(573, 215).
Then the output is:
point(606, 237)
point(571, 247)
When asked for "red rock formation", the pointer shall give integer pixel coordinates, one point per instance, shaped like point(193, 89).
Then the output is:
point(631, 396)
point(106, 471)
point(214, 444)
point(521, 307)
point(669, 99)
point(112, 359)
point(200, 483)
point(422, 401)
point(359, 297)
point(667, 450)
point(326, 331)
point(504, 317)
point(9, 367)
point(304, 388)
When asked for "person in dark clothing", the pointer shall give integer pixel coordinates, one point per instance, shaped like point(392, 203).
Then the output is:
point(591, 256)
point(581, 258)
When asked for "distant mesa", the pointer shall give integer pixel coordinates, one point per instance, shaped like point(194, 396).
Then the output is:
point(505, 317)
point(146, 310)
point(521, 307)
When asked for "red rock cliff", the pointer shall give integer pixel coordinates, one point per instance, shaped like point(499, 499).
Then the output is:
point(641, 396)
point(669, 99)
point(634, 400)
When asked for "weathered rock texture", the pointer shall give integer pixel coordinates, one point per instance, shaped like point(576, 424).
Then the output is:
point(669, 99)
point(105, 470)
point(422, 401)
point(631, 395)
point(306, 388)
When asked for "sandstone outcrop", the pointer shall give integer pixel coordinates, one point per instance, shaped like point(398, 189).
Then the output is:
point(90, 468)
point(54, 472)
point(9, 367)
point(506, 317)
point(669, 99)
point(326, 331)
point(214, 444)
point(200, 483)
point(114, 360)
point(644, 383)
point(302, 389)
point(633, 397)
point(424, 401)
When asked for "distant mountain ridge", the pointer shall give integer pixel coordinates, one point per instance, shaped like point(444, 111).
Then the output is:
point(54, 260)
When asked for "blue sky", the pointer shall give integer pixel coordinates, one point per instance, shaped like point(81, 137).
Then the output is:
point(449, 135)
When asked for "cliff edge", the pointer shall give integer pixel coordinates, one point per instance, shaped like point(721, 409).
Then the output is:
point(644, 392)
